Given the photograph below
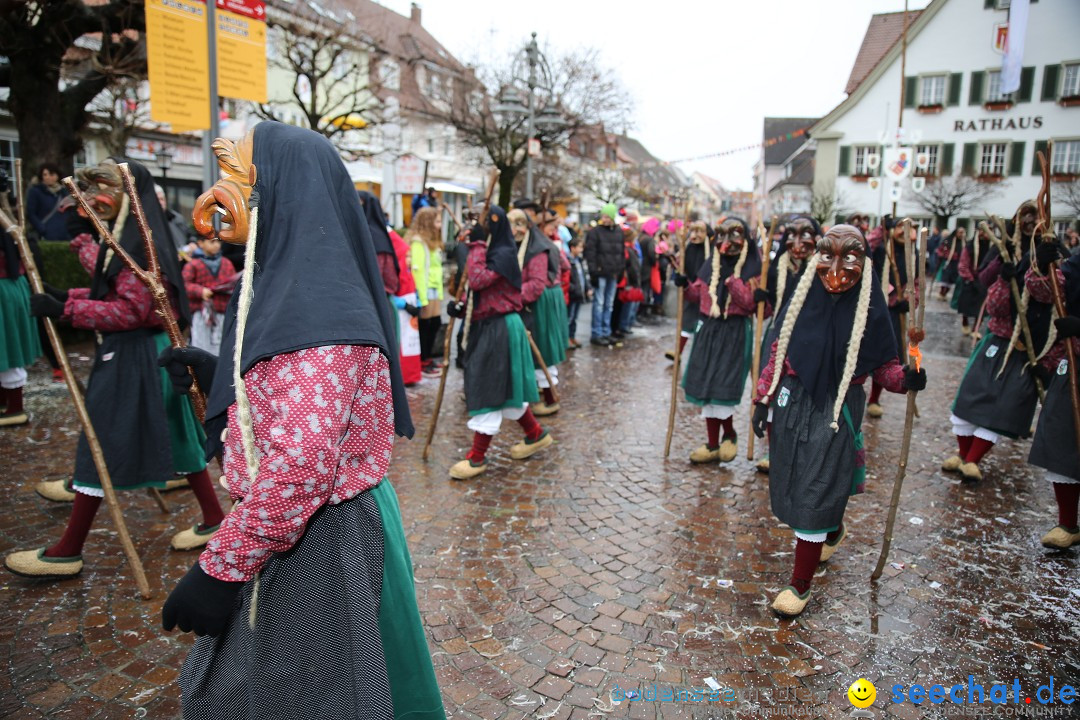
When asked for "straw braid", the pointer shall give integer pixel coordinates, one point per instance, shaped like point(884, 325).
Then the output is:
point(118, 227)
point(243, 405)
point(798, 299)
point(737, 272)
point(522, 250)
point(468, 320)
point(781, 279)
point(862, 310)
point(1017, 326)
point(886, 273)
point(1051, 338)
point(714, 309)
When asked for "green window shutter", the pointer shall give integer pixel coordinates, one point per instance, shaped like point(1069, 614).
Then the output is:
point(1040, 147)
point(1016, 158)
point(955, 81)
point(911, 87)
point(945, 166)
point(975, 93)
point(1051, 73)
point(845, 160)
point(967, 165)
point(989, 4)
point(1027, 83)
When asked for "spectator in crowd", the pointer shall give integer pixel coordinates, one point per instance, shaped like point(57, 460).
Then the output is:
point(179, 229)
point(426, 259)
point(428, 198)
point(43, 204)
point(580, 291)
point(606, 260)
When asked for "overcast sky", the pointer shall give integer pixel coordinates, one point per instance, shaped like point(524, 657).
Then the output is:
point(703, 73)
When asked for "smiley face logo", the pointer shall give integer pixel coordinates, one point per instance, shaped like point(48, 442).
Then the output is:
point(862, 693)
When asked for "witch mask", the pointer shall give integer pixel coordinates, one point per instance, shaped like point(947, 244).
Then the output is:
point(731, 236)
point(103, 187)
point(229, 196)
point(840, 258)
point(801, 241)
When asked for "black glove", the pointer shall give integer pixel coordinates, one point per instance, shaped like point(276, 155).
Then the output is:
point(455, 309)
point(914, 379)
point(1008, 271)
point(1046, 253)
point(176, 362)
point(901, 306)
point(200, 603)
point(760, 295)
point(680, 280)
point(42, 305)
point(412, 309)
point(1040, 373)
point(594, 280)
point(61, 295)
point(760, 419)
point(1067, 327)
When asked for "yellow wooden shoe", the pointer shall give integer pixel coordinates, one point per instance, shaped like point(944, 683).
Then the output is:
point(176, 484)
point(13, 419)
point(55, 490)
point(790, 604)
point(705, 455)
point(874, 410)
point(952, 464)
point(192, 538)
point(1061, 538)
point(729, 448)
point(971, 471)
point(529, 448)
point(542, 409)
point(763, 465)
point(828, 549)
point(465, 470)
point(34, 564)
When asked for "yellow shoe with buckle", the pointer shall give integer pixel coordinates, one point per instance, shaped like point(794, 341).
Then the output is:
point(1061, 538)
point(34, 564)
point(529, 448)
point(952, 464)
point(192, 538)
point(789, 603)
point(55, 490)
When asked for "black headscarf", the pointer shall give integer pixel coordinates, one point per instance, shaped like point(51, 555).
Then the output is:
point(541, 243)
point(316, 279)
point(819, 342)
point(502, 250)
point(131, 240)
point(376, 222)
point(750, 269)
point(1070, 268)
point(695, 256)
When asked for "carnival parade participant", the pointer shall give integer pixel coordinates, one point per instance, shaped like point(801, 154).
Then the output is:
point(498, 362)
point(969, 296)
point(833, 333)
point(208, 280)
point(19, 343)
point(304, 599)
point(720, 358)
point(1054, 448)
point(147, 433)
point(698, 250)
point(997, 396)
point(891, 266)
point(543, 303)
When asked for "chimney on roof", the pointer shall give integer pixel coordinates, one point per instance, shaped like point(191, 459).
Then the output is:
point(414, 13)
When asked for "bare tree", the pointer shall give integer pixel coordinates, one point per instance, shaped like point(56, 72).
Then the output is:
point(607, 185)
point(947, 197)
point(582, 91)
point(49, 93)
point(826, 203)
point(121, 109)
point(1068, 195)
point(330, 84)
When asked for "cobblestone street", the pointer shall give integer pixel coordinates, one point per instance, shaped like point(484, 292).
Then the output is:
point(547, 583)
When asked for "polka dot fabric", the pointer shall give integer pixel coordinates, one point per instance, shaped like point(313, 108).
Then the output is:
point(324, 431)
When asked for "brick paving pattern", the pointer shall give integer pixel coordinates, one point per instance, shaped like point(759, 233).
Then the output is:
point(546, 584)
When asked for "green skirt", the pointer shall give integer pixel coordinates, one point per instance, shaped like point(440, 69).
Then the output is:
point(499, 366)
point(19, 344)
point(186, 435)
point(551, 326)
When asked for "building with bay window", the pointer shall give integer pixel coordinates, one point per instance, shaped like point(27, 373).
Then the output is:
point(961, 130)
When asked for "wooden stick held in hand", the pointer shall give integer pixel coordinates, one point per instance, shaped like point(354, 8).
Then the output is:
point(12, 227)
point(755, 366)
point(683, 244)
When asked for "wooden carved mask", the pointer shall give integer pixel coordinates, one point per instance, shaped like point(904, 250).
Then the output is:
point(103, 187)
point(801, 240)
point(841, 253)
point(229, 196)
point(730, 237)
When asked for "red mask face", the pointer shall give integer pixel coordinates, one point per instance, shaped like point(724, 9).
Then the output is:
point(842, 252)
point(731, 237)
point(801, 241)
point(103, 188)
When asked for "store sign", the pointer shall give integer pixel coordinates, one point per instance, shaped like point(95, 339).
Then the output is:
point(985, 124)
point(409, 174)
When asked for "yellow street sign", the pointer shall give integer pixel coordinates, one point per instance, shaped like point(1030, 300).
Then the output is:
point(176, 55)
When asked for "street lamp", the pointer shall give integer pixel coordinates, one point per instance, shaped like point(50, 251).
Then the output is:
point(164, 162)
point(537, 78)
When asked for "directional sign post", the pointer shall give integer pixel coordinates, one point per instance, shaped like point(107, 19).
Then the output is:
point(241, 49)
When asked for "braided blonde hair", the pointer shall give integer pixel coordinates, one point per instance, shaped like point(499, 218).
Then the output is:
point(243, 404)
point(118, 228)
point(782, 270)
point(798, 299)
point(714, 281)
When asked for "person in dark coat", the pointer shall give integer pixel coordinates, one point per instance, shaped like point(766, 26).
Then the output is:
point(698, 249)
point(43, 204)
point(606, 258)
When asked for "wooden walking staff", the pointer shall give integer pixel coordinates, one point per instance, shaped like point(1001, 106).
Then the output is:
point(755, 367)
point(37, 287)
point(537, 355)
point(915, 335)
point(684, 238)
point(492, 181)
point(1042, 202)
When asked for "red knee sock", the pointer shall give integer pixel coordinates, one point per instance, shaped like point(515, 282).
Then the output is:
point(528, 423)
point(964, 443)
point(807, 557)
point(203, 488)
point(728, 426)
point(480, 443)
point(713, 426)
point(1068, 496)
point(549, 397)
point(875, 391)
point(14, 398)
point(682, 342)
point(82, 517)
point(978, 449)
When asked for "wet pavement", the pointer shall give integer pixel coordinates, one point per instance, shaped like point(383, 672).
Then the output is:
point(597, 567)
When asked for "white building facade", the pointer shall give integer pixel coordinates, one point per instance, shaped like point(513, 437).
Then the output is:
point(955, 117)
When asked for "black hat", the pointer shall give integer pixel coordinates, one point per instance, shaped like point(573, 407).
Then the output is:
point(526, 204)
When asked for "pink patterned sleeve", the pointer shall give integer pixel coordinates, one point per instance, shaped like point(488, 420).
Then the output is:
point(742, 296)
point(891, 376)
point(764, 380)
point(534, 279)
point(323, 426)
point(480, 276)
point(87, 250)
point(132, 308)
